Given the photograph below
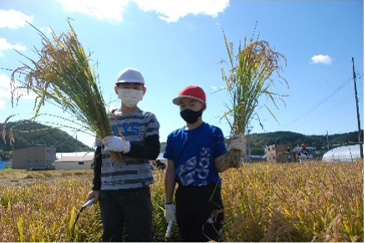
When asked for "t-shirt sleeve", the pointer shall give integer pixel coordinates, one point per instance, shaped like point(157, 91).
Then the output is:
point(219, 145)
point(152, 126)
point(168, 153)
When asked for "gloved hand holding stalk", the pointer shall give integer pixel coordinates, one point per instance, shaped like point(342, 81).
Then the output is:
point(246, 82)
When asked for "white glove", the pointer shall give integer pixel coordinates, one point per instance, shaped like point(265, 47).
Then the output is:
point(116, 144)
point(238, 142)
point(170, 213)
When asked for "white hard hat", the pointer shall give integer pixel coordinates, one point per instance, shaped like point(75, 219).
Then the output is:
point(130, 75)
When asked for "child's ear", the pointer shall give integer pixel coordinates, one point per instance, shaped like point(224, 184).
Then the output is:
point(144, 90)
point(205, 107)
point(116, 89)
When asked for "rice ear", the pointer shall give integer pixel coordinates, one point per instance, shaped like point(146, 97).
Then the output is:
point(249, 79)
point(63, 75)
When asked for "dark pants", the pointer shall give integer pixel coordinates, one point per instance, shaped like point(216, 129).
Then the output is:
point(130, 208)
point(199, 212)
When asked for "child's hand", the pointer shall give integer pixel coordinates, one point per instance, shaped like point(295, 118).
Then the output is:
point(238, 142)
point(170, 212)
point(116, 144)
point(95, 195)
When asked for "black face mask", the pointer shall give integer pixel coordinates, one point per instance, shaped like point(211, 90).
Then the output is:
point(191, 116)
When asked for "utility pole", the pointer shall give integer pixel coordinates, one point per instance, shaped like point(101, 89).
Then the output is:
point(357, 110)
point(248, 141)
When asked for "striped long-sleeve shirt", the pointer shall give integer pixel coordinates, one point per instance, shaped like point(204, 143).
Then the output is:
point(142, 130)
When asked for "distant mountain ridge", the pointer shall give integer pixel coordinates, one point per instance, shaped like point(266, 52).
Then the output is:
point(257, 141)
point(33, 133)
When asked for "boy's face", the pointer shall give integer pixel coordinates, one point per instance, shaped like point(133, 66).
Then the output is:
point(189, 103)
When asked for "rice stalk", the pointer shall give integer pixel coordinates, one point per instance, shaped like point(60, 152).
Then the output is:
point(251, 75)
point(63, 75)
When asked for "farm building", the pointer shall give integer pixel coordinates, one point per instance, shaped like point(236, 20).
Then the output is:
point(348, 153)
point(74, 161)
point(34, 157)
point(280, 153)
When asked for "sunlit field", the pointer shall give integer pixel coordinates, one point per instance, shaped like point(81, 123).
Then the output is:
point(311, 201)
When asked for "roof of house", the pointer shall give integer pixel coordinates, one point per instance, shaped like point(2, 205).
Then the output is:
point(63, 154)
point(88, 157)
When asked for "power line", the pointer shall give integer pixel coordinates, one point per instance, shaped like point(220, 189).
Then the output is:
point(326, 111)
point(323, 101)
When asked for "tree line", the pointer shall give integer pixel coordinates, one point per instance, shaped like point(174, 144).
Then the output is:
point(28, 134)
point(32, 133)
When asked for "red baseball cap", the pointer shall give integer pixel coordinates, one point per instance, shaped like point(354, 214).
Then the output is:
point(191, 91)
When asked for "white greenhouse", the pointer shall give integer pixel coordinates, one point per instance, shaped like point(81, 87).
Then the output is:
point(348, 153)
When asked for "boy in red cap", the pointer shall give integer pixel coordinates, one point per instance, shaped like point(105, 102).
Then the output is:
point(196, 153)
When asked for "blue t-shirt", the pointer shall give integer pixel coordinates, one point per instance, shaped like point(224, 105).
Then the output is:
point(193, 153)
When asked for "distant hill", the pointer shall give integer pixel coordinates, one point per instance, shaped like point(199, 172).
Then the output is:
point(258, 141)
point(66, 143)
point(33, 133)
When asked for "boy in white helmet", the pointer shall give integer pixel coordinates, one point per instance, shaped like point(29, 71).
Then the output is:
point(196, 153)
point(122, 188)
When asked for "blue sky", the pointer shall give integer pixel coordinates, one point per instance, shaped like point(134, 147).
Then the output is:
point(180, 42)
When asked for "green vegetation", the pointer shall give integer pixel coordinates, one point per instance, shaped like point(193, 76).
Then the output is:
point(32, 133)
point(65, 143)
point(258, 141)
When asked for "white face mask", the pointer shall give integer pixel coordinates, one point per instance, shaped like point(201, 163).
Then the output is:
point(130, 97)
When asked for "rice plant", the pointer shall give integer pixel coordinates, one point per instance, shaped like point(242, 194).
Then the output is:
point(253, 72)
point(312, 201)
point(62, 74)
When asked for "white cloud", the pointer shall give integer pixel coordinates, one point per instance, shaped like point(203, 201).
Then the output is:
point(13, 19)
point(169, 10)
point(172, 11)
point(324, 59)
point(2, 104)
point(45, 30)
point(5, 91)
point(5, 45)
point(110, 10)
point(4, 86)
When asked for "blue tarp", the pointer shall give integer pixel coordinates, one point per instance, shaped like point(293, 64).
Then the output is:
point(2, 165)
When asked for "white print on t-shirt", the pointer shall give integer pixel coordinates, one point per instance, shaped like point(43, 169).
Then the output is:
point(194, 171)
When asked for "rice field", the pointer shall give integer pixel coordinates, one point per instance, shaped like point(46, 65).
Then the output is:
point(263, 202)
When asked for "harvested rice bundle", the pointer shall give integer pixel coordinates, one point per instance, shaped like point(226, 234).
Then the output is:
point(246, 82)
point(63, 75)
